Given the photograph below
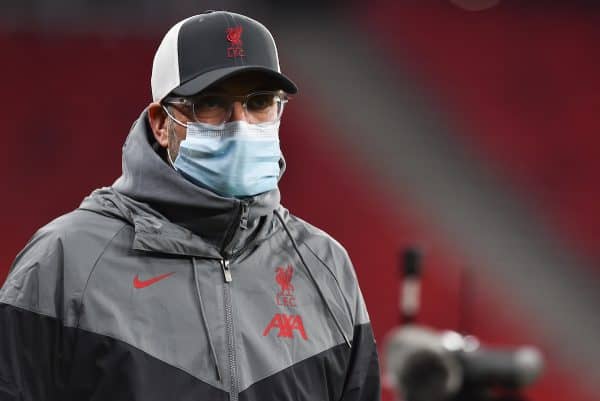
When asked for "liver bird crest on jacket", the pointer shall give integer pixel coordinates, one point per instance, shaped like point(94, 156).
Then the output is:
point(284, 279)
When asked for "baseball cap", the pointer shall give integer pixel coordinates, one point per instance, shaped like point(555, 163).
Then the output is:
point(207, 48)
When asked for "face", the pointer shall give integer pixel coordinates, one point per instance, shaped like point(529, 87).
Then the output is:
point(169, 134)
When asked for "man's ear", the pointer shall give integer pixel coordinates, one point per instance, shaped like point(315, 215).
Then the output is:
point(158, 123)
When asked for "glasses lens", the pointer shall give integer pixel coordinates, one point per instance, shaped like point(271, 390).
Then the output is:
point(263, 107)
point(212, 109)
point(260, 107)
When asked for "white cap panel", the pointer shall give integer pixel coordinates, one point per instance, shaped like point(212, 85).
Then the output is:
point(165, 68)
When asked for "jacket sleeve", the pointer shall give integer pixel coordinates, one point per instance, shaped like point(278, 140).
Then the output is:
point(33, 349)
point(362, 380)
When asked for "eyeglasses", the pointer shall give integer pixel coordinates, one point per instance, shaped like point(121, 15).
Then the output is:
point(217, 108)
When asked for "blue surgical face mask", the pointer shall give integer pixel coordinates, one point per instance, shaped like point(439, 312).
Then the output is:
point(235, 159)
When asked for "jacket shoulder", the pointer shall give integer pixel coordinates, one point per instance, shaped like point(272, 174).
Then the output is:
point(319, 240)
point(48, 276)
point(82, 225)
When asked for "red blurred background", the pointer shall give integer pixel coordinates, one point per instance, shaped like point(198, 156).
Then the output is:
point(471, 134)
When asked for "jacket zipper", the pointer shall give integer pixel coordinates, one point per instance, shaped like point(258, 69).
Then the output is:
point(226, 270)
point(244, 216)
point(242, 224)
point(233, 391)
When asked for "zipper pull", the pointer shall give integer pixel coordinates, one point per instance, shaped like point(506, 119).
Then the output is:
point(226, 270)
point(244, 218)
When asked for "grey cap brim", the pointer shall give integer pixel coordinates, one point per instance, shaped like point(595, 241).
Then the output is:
point(203, 81)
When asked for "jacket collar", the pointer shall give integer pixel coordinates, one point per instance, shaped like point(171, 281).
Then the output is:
point(192, 212)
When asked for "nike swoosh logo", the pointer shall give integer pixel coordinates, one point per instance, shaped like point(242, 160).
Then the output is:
point(137, 283)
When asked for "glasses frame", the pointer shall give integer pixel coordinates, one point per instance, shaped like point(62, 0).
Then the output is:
point(189, 102)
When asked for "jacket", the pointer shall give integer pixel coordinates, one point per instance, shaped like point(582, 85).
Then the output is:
point(157, 289)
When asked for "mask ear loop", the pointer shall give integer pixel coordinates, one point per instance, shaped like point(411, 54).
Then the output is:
point(171, 161)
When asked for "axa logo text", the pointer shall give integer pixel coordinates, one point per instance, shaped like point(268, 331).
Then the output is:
point(286, 325)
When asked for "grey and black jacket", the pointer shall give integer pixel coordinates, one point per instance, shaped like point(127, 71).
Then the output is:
point(155, 289)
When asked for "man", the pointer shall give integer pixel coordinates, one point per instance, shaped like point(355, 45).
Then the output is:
point(187, 280)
